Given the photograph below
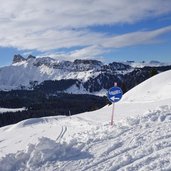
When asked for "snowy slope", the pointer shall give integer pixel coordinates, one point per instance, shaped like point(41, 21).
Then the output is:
point(156, 88)
point(143, 98)
point(139, 140)
point(77, 144)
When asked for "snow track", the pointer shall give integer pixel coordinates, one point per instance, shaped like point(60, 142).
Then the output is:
point(62, 133)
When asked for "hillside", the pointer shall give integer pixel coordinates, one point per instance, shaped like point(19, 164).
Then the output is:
point(139, 140)
point(143, 98)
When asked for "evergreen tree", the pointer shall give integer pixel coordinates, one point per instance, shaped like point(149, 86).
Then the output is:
point(153, 72)
point(124, 87)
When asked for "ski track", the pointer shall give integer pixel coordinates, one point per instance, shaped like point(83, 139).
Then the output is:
point(62, 133)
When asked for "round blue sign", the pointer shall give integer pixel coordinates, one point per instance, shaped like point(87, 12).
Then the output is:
point(114, 94)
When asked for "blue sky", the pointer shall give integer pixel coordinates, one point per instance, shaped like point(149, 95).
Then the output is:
point(108, 30)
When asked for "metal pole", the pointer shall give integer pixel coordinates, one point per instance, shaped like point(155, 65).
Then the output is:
point(70, 114)
point(113, 107)
point(112, 117)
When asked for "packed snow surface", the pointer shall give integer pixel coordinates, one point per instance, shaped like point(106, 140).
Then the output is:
point(142, 143)
point(154, 89)
point(140, 139)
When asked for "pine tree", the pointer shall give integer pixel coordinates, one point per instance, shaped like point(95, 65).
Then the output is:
point(153, 72)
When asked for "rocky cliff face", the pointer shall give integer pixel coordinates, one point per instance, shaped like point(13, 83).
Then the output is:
point(18, 58)
point(31, 57)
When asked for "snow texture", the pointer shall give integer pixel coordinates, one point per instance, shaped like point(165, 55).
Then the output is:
point(140, 139)
point(139, 144)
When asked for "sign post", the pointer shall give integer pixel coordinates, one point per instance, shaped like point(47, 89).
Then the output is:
point(112, 117)
point(114, 95)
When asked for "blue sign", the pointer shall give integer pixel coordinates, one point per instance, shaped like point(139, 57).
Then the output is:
point(114, 94)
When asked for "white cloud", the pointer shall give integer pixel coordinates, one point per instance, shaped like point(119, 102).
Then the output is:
point(46, 25)
point(107, 43)
point(135, 38)
point(87, 52)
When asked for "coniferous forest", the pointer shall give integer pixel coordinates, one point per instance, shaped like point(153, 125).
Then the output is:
point(41, 104)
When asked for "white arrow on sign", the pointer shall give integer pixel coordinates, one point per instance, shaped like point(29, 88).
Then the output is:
point(114, 98)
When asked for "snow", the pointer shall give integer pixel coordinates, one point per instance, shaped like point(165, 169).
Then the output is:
point(139, 140)
point(146, 97)
point(154, 89)
point(142, 143)
point(4, 110)
point(81, 90)
point(76, 90)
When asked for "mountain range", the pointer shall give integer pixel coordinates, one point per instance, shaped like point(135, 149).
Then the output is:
point(79, 76)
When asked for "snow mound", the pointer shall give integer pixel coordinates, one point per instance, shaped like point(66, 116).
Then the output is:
point(156, 88)
point(43, 153)
point(142, 143)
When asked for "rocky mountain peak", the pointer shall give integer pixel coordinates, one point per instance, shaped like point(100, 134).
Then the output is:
point(18, 58)
point(116, 66)
point(31, 57)
point(88, 62)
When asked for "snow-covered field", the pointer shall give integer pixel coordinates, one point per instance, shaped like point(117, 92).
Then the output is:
point(139, 140)
point(3, 110)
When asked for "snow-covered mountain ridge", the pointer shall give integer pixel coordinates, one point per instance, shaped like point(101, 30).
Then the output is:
point(89, 76)
point(24, 71)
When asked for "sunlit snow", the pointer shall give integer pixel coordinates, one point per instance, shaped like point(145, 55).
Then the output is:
point(139, 139)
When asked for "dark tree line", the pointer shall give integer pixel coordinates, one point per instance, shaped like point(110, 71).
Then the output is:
point(41, 105)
